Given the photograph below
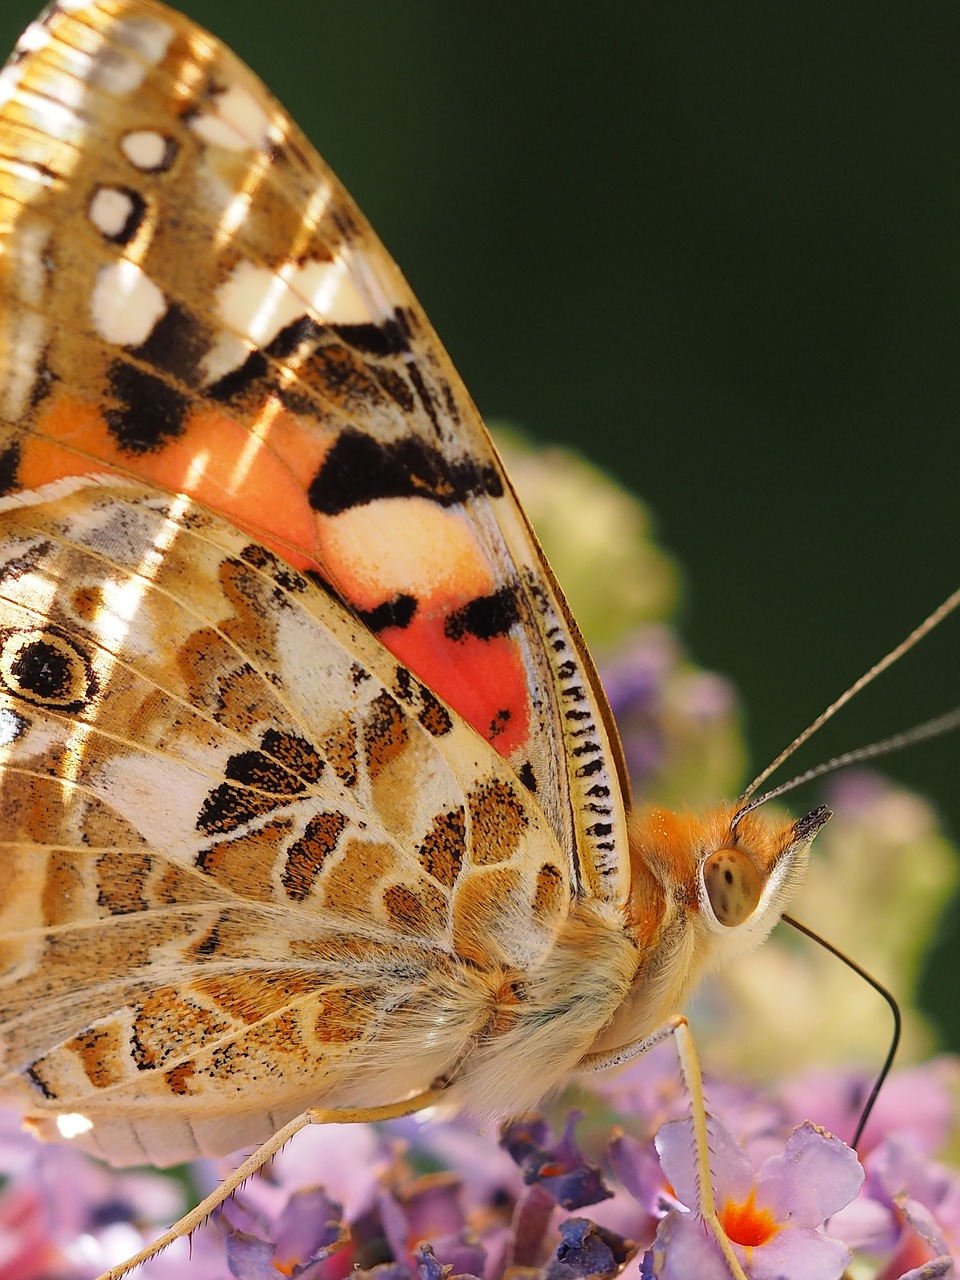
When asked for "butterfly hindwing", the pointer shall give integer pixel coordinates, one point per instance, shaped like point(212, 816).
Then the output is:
point(235, 833)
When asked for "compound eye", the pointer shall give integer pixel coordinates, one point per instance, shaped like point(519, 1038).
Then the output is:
point(733, 886)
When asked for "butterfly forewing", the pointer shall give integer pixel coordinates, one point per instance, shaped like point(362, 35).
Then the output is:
point(190, 296)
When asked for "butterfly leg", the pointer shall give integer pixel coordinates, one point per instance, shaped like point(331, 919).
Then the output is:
point(679, 1029)
point(186, 1225)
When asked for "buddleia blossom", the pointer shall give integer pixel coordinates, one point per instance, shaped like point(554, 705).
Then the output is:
point(773, 1215)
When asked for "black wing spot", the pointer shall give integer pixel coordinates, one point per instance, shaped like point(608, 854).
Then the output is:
point(149, 411)
point(485, 617)
point(176, 343)
point(398, 612)
point(304, 331)
point(396, 387)
point(9, 467)
point(254, 769)
point(239, 380)
point(391, 338)
point(499, 723)
point(359, 469)
point(34, 1076)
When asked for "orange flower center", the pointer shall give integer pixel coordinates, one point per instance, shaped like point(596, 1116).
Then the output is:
point(747, 1225)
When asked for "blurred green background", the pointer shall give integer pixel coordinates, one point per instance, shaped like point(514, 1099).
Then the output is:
point(717, 248)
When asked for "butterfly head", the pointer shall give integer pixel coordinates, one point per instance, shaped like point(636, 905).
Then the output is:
point(734, 870)
point(746, 883)
point(705, 889)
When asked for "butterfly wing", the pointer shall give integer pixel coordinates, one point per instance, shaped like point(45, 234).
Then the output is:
point(251, 864)
point(188, 295)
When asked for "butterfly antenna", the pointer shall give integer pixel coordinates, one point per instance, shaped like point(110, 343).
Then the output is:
point(915, 636)
point(891, 1004)
point(934, 728)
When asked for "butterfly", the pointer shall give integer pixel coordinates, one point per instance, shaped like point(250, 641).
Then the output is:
point(313, 806)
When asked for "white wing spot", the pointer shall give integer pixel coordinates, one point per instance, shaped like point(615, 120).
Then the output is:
point(257, 303)
point(117, 74)
point(126, 304)
point(227, 353)
point(148, 37)
point(11, 726)
point(237, 122)
point(72, 1124)
point(25, 329)
point(27, 340)
point(10, 78)
point(30, 266)
point(34, 38)
point(110, 210)
point(145, 149)
point(121, 66)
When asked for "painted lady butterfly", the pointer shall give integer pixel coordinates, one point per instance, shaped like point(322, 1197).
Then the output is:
point(311, 795)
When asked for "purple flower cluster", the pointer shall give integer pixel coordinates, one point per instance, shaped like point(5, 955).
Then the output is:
point(605, 1188)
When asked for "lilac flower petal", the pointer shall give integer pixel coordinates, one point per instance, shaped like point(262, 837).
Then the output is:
point(566, 1150)
point(345, 1158)
point(533, 1215)
point(756, 1118)
point(370, 1242)
point(393, 1225)
point(577, 1188)
point(523, 1137)
point(485, 1169)
point(707, 696)
point(460, 1254)
point(562, 1169)
point(898, 1168)
point(685, 1249)
point(636, 1165)
point(633, 679)
point(922, 1221)
point(816, 1175)
point(865, 1224)
point(947, 1208)
point(432, 1206)
point(918, 1101)
point(309, 1228)
point(731, 1171)
point(922, 1196)
point(428, 1268)
point(800, 1252)
point(250, 1258)
point(384, 1271)
point(650, 1089)
point(834, 1098)
point(239, 1214)
point(935, 1269)
point(856, 791)
point(498, 1246)
point(586, 1250)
